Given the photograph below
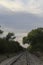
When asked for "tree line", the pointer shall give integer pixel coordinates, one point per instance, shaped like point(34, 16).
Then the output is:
point(35, 40)
point(8, 43)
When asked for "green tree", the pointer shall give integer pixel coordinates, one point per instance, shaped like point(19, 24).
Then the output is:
point(24, 40)
point(8, 44)
point(35, 38)
point(1, 30)
point(10, 36)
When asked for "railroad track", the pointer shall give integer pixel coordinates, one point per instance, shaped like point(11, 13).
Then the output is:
point(21, 59)
point(10, 61)
point(16, 59)
point(27, 59)
point(24, 58)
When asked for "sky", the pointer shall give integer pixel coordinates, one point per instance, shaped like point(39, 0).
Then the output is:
point(21, 16)
point(31, 6)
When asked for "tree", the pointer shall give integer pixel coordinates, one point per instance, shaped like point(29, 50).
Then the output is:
point(24, 40)
point(8, 44)
point(35, 38)
point(1, 31)
point(10, 36)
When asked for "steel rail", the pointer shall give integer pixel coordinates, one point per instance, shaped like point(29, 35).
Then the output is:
point(27, 63)
point(11, 60)
point(16, 59)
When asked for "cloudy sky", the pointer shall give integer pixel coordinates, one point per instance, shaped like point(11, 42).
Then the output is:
point(31, 6)
point(20, 16)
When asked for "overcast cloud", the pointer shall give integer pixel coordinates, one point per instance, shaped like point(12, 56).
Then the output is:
point(32, 6)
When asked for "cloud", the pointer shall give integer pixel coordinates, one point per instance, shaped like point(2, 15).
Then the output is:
point(12, 5)
point(32, 6)
point(19, 37)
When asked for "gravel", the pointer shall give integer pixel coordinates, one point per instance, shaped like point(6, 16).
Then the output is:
point(25, 59)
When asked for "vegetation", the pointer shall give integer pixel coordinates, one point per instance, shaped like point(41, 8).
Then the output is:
point(8, 44)
point(35, 39)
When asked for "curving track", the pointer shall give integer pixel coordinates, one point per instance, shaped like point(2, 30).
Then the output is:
point(11, 60)
point(24, 58)
point(28, 59)
point(21, 60)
